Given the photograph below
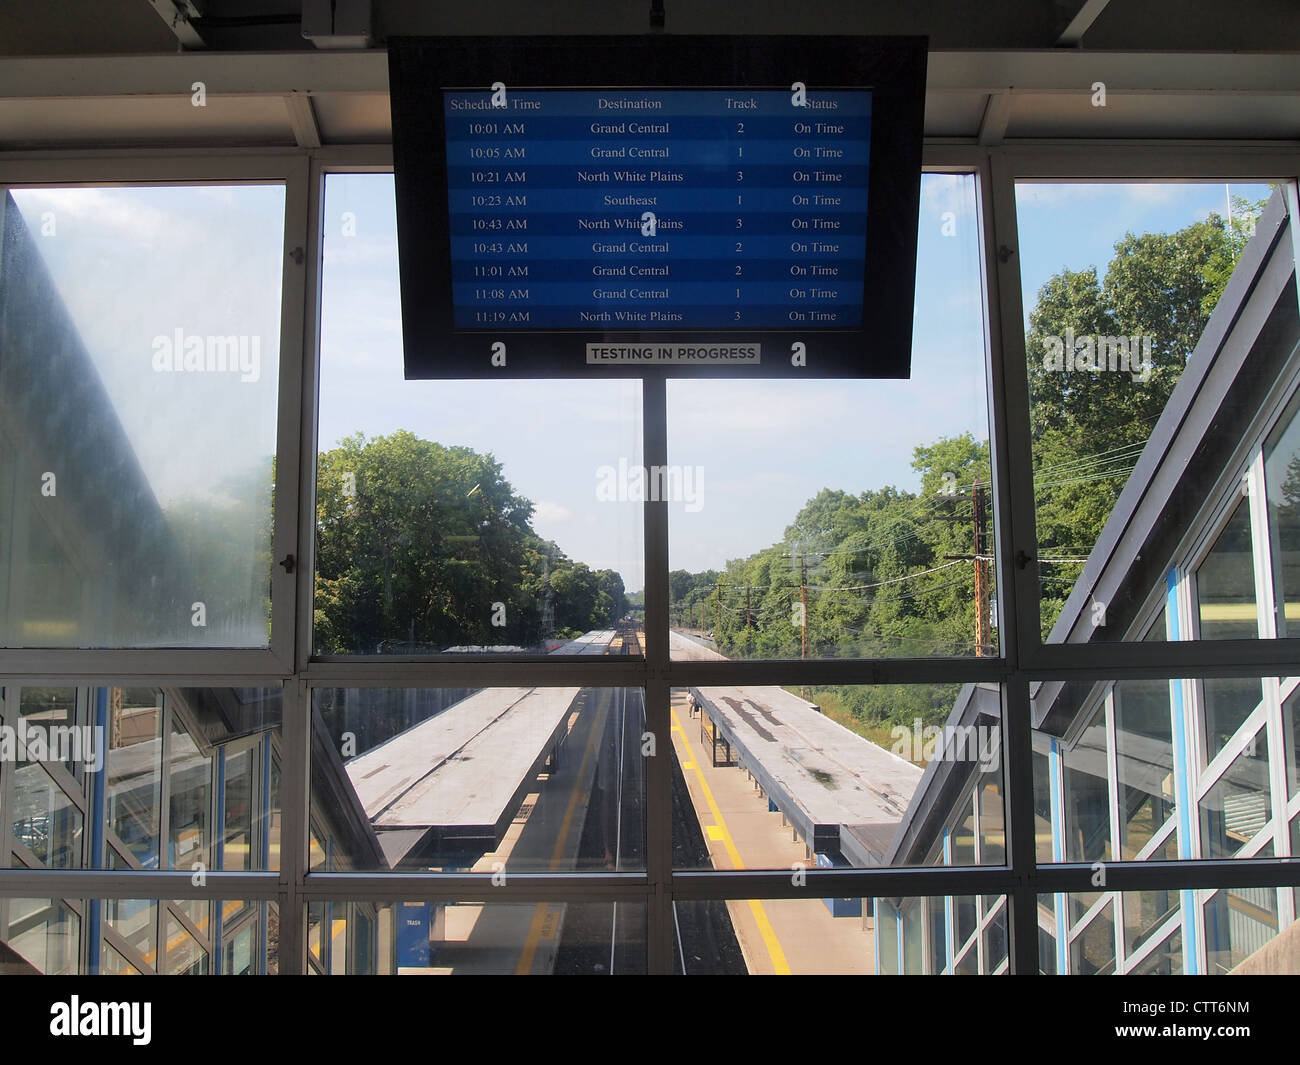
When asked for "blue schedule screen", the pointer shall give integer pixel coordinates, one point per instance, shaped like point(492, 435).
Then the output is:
point(649, 209)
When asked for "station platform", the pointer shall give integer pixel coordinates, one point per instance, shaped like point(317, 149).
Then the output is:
point(816, 772)
point(451, 785)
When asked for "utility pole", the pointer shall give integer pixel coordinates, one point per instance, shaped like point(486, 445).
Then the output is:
point(981, 582)
point(977, 555)
point(717, 625)
point(749, 624)
point(803, 599)
point(548, 598)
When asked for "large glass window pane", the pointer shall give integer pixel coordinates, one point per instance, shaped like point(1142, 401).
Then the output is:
point(45, 819)
point(1295, 850)
point(1042, 809)
point(1048, 962)
point(133, 924)
point(237, 953)
point(1228, 702)
point(139, 364)
point(1145, 914)
point(1225, 583)
point(40, 936)
point(185, 956)
point(962, 835)
point(1128, 290)
point(237, 807)
point(1165, 960)
point(766, 776)
point(46, 936)
point(986, 954)
point(1282, 481)
point(804, 936)
point(1239, 804)
point(913, 912)
point(964, 921)
point(1239, 924)
point(475, 938)
point(1156, 724)
point(112, 963)
point(1092, 950)
point(936, 933)
point(191, 798)
point(458, 515)
point(1079, 904)
point(51, 713)
point(156, 802)
point(133, 792)
point(993, 833)
point(994, 935)
point(834, 519)
point(707, 938)
point(1145, 761)
point(518, 779)
point(271, 842)
point(886, 935)
point(1291, 740)
point(1087, 795)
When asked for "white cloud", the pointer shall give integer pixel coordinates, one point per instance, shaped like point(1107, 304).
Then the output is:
point(551, 513)
point(947, 192)
point(123, 214)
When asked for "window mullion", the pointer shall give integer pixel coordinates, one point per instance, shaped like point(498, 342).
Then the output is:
point(1013, 481)
point(660, 929)
point(295, 778)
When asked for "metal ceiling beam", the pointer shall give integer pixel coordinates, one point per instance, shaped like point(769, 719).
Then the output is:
point(302, 117)
point(179, 16)
point(230, 73)
point(997, 113)
point(1050, 70)
point(1054, 70)
point(1080, 24)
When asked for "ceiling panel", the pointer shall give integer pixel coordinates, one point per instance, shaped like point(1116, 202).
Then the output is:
point(1230, 116)
point(141, 122)
point(82, 27)
point(354, 118)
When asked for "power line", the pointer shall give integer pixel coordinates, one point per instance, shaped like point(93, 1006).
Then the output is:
point(1084, 480)
point(913, 595)
point(881, 584)
point(1093, 457)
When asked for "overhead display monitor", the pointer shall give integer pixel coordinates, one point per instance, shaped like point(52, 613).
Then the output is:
point(691, 206)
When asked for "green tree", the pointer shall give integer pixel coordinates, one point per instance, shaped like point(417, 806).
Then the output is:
point(421, 546)
point(1089, 425)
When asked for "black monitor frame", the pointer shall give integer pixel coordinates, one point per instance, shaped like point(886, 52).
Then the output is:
point(893, 68)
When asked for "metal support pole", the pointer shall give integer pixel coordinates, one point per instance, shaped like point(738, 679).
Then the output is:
point(660, 926)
